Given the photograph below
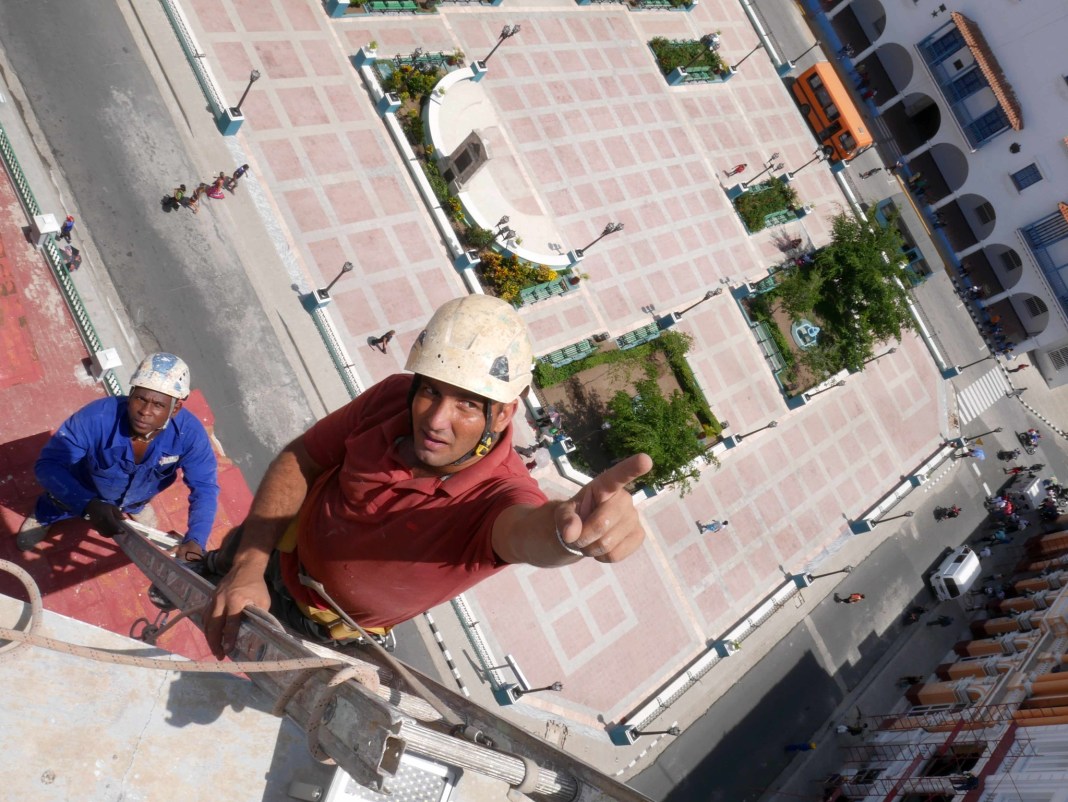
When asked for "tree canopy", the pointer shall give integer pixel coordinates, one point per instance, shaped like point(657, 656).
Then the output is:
point(854, 287)
point(663, 428)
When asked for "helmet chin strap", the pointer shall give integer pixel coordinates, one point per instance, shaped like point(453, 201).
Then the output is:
point(485, 442)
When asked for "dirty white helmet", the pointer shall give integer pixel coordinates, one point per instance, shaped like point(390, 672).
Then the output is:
point(478, 343)
point(164, 373)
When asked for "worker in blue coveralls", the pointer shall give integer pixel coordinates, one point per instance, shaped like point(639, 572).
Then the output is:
point(115, 454)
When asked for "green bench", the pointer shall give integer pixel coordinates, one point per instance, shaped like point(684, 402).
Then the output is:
point(570, 353)
point(632, 339)
point(385, 6)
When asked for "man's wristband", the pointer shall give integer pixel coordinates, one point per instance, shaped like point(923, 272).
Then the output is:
point(566, 547)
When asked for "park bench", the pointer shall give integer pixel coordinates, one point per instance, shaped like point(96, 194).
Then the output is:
point(570, 353)
point(540, 292)
point(632, 339)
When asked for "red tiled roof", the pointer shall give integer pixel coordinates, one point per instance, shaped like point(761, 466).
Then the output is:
point(990, 68)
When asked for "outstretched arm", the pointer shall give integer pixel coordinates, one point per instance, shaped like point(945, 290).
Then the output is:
point(599, 521)
point(277, 502)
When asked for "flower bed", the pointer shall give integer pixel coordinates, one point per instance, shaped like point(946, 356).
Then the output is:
point(755, 205)
point(509, 275)
point(671, 54)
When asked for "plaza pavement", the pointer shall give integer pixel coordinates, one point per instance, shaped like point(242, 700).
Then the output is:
point(593, 123)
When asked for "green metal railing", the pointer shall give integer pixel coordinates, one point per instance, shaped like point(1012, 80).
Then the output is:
point(56, 262)
point(337, 353)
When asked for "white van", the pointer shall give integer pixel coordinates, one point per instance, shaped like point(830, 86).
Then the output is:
point(956, 575)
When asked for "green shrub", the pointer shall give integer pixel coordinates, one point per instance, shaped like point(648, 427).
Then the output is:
point(412, 124)
point(479, 238)
point(671, 54)
point(437, 183)
point(756, 204)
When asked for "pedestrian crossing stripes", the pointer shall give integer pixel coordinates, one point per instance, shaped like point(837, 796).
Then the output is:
point(981, 394)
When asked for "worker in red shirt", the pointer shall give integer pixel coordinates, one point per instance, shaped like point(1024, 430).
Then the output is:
point(412, 493)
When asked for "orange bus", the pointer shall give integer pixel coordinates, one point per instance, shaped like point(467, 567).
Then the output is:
point(830, 111)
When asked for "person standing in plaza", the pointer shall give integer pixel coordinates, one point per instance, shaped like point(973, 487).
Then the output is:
point(231, 182)
point(382, 342)
point(711, 526)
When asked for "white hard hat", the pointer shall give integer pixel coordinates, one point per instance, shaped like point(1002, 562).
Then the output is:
point(164, 373)
point(478, 343)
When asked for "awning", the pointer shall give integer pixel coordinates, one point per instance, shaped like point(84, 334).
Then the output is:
point(990, 68)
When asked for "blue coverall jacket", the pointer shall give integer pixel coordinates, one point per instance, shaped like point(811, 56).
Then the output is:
point(90, 457)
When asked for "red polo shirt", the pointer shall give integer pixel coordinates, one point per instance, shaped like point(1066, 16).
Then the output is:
point(388, 546)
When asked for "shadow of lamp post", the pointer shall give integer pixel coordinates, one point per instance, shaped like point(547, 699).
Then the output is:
point(879, 356)
point(324, 292)
point(846, 570)
point(611, 228)
point(821, 153)
point(734, 67)
point(507, 32)
point(252, 78)
point(878, 521)
point(771, 165)
point(710, 42)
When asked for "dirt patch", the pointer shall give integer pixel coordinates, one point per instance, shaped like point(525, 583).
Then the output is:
point(583, 400)
point(800, 378)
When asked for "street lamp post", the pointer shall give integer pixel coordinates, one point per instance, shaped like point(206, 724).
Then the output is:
point(839, 383)
point(818, 155)
point(770, 425)
point(880, 356)
point(734, 67)
point(252, 78)
point(770, 166)
point(324, 293)
point(805, 53)
point(507, 32)
point(878, 521)
point(846, 570)
point(611, 228)
point(708, 296)
point(668, 731)
point(982, 434)
point(556, 686)
point(502, 222)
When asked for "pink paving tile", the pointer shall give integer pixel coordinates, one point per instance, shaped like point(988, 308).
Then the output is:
point(545, 328)
point(413, 241)
point(692, 565)
point(349, 201)
point(355, 305)
point(392, 197)
point(282, 159)
point(373, 251)
point(543, 165)
point(347, 106)
point(279, 60)
point(323, 60)
point(304, 17)
point(738, 583)
point(550, 590)
point(393, 298)
point(329, 254)
point(307, 211)
point(437, 287)
point(722, 547)
point(212, 16)
point(712, 603)
point(578, 317)
point(233, 58)
point(508, 98)
point(370, 148)
point(259, 111)
point(302, 106)
point(605, 610)
point(254, 16)
point(671, 524)
point(326, 154)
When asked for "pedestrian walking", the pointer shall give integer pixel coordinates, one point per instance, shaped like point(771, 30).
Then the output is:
point(806, 746)
point(738, 168)
point(67, 227)
point(846, 50)
point(868, 94)
point(231, 182)
point(871, 172)
point(381, 342)
point(712, 526)
point(852, 598)
point(851, 729)
point(1015, 393)
point(193, 204)
point(216, 190)
point(1018, 368)
point(178, 197)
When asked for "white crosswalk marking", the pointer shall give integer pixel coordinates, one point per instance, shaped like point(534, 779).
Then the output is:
point(981, 394)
